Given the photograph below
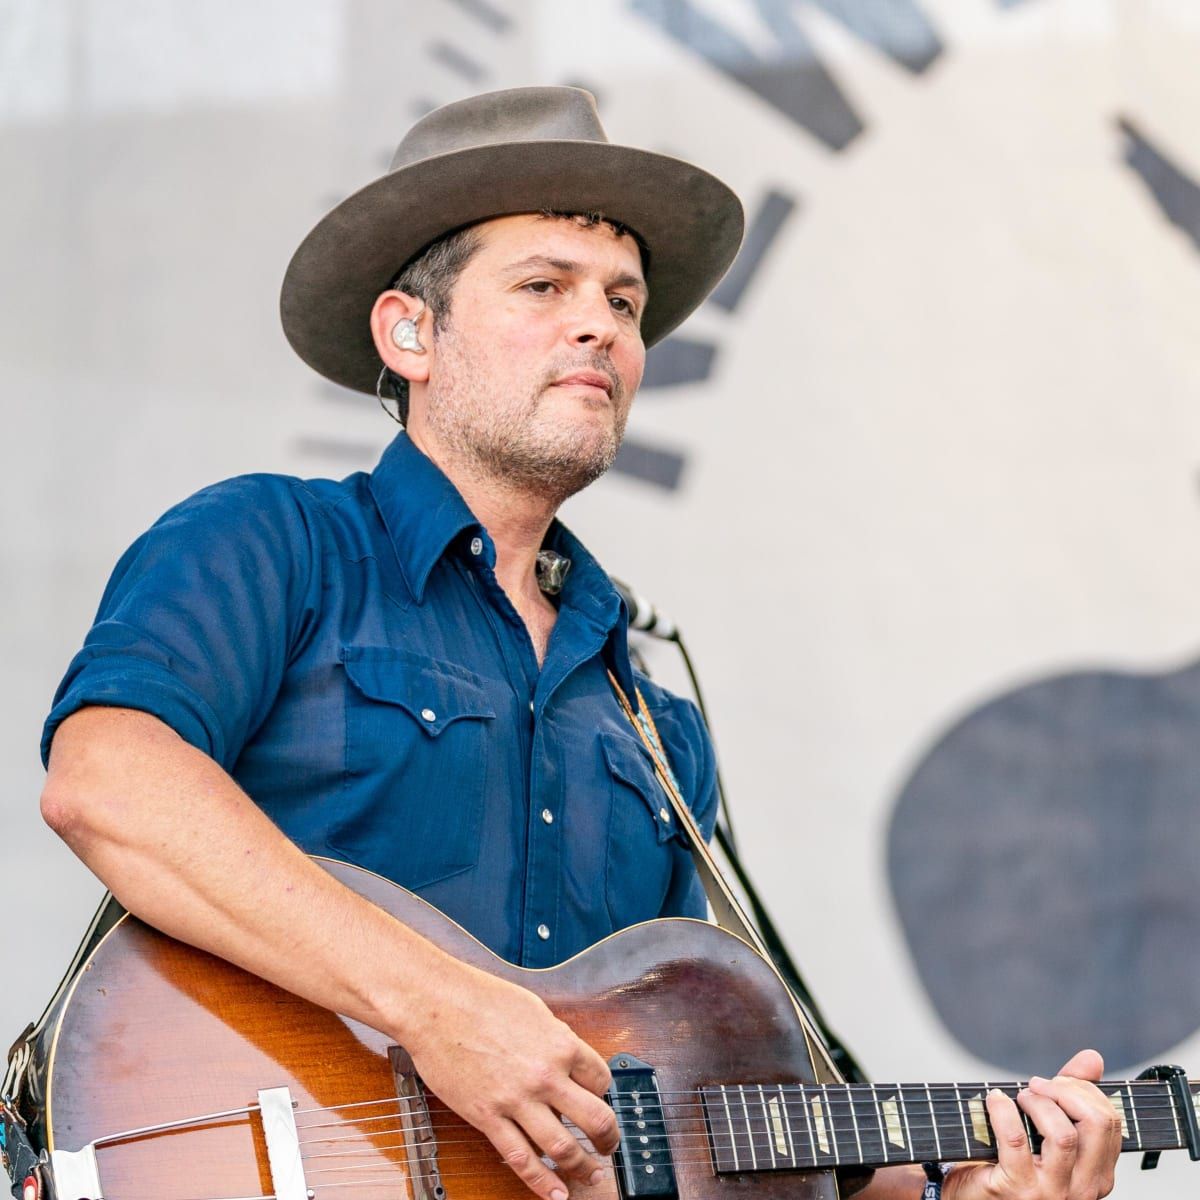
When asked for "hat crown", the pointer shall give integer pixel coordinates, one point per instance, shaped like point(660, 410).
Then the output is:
point(531, 114)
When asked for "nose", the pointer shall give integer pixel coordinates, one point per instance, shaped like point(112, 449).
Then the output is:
point(592, 322)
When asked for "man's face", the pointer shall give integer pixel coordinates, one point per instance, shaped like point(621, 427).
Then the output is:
point(534, 369)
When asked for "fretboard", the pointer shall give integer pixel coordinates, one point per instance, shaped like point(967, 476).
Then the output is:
point(772, 1127)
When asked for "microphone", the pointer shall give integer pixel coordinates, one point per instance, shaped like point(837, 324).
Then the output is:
point(643, 616)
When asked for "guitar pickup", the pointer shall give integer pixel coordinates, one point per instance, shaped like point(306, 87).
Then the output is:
point(642, 1160)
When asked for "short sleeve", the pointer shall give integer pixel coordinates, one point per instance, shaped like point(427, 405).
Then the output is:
point(201, 614)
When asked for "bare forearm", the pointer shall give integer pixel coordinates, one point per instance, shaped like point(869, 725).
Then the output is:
point(183, 847)
point(895, 1183)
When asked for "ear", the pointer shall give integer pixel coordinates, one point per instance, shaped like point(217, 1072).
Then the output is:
point(393, 306)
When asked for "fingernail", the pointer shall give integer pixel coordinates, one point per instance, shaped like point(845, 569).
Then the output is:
point(596, 1178)
point(1035, 1079)
point(559, 1194)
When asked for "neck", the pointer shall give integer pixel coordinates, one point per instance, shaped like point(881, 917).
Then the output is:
point(782, 1127)
point(515, 519)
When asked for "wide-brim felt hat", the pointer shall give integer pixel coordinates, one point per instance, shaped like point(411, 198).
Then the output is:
point(516, 151)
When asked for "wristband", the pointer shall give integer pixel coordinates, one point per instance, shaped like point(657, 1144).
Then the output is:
point(935, 1173)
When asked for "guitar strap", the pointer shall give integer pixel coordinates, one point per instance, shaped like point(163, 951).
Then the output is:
point(20, 1054)
point(727, 911)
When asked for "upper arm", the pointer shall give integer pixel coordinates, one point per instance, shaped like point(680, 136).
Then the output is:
point(200, 616)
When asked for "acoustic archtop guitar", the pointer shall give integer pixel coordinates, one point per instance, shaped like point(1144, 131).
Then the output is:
point(167, 1074)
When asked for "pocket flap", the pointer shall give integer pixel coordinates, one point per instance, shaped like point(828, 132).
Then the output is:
point(630, 761)
point(433, 693)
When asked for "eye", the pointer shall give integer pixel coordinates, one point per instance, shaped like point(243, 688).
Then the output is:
point(624, 305)
point(539, 287)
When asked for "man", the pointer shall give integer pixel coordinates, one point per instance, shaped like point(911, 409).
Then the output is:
point(374, 669)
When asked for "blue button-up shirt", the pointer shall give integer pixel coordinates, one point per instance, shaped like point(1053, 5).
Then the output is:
point(344, 650)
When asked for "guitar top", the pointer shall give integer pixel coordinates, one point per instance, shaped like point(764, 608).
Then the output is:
point(169, 1074)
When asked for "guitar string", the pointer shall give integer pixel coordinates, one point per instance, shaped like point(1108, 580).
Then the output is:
point(676, 1136)
point(836, 1121)
point(943, 1109)
point(835, 1092)
point(741, 1142)
point(677, 1161)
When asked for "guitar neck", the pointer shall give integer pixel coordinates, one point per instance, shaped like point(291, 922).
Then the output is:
point(775, 1127)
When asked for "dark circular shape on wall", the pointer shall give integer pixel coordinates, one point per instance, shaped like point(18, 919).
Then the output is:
point(1044, 859)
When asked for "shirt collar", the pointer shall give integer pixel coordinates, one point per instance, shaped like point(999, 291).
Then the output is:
point(421, 508)
point(590, 591)
point(424, 512)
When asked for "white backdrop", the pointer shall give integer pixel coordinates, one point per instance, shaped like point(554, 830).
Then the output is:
point(945, 444)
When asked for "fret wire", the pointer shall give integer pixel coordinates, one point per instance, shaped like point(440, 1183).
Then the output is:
point(833, 1141)
point(749, 1129)
point(879, 1120)
point(812, 1137)
point(987, 1087)
point(787, 1124)
point(1175, 1117)
point(904, 1114)
point(729, 1120)
point(854, 1118)
point(1137, 1131)
point(962, 1120)
point(762, 1099)
point(937, 1141)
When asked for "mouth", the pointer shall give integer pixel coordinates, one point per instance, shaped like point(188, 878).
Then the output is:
point(588, 379)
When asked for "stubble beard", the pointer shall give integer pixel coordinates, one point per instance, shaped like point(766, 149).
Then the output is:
point(506, 443)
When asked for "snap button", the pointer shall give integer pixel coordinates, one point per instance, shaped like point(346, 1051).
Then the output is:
point(547, 816)
point(544, 932)
point(477, 545)
point(428, 714)
point(664, 815)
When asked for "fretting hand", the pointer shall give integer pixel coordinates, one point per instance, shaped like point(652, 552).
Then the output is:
point(1081, 1139)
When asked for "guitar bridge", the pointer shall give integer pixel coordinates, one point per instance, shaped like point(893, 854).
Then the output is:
point(424, 1179)
point(642, 1160)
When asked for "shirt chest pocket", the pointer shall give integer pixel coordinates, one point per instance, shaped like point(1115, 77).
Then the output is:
point(416, 765)
point(643, 836)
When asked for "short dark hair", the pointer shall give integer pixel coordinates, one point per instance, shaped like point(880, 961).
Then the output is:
point(433, 272)
point(431, 277)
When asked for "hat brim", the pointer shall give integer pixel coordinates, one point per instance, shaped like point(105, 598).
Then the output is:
point(690, 220)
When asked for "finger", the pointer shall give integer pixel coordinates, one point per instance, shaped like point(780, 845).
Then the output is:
point(1013, 1152)
point(1060, 1137)
point(1087, 1064)
point(525, 1162)
point(1098, 1125)
point(594, 1118)
point(591, 1071)
point(546, 1130)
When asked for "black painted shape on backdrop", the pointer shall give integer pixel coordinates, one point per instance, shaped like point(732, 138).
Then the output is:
point(651, 464)
point(765, 226)
point(1043, 859)
point(897, 28)
point(1177, 194)
point(459, 61)
point(791, 77)
point(680, 360)
point(487, 14)
point(676, 361)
